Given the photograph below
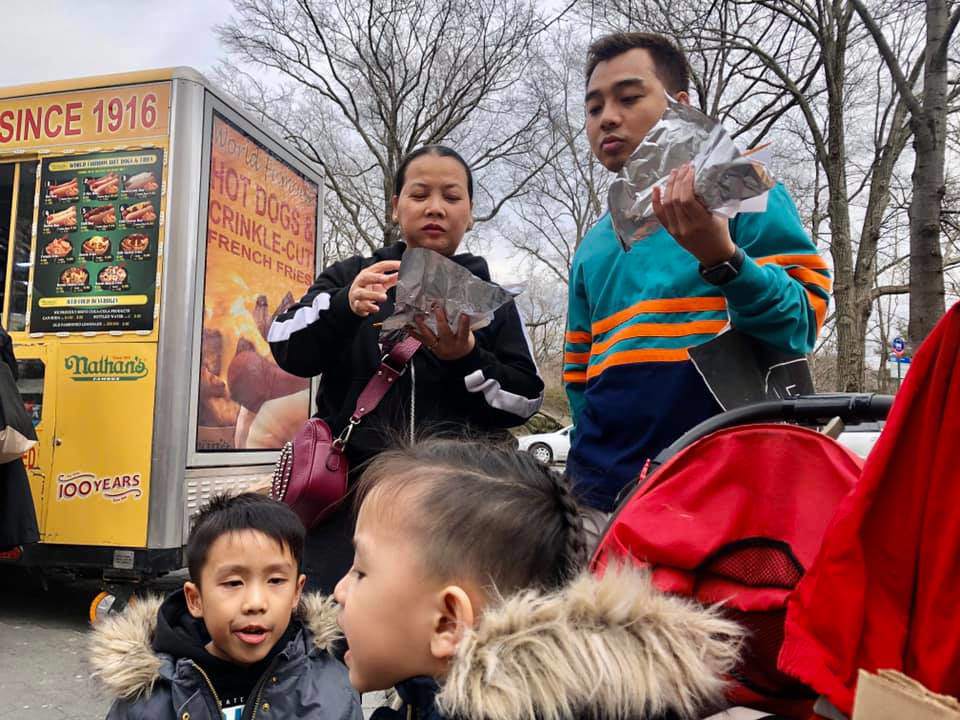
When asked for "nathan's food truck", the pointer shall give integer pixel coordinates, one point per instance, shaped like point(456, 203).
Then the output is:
point(149, 234)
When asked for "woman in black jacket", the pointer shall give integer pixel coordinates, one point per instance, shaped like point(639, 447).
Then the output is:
point(18, 517)
point(476, 382)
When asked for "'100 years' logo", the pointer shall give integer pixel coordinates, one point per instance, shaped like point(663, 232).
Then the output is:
point(81, 485)
point(105, 369)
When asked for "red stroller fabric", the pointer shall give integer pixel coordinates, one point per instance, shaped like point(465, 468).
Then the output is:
point(738, 517)
point(883, 593)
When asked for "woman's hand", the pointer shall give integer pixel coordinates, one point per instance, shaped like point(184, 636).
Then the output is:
point(701, 233)
point(370, 286)
point(445, 344)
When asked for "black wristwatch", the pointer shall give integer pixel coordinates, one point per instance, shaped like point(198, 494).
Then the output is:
point(724, 272)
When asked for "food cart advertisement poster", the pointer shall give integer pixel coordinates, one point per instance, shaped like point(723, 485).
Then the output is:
point(260, 258)
point(95, 263)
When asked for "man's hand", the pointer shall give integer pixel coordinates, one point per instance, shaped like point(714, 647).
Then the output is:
point(445, 344)
point(701, 233)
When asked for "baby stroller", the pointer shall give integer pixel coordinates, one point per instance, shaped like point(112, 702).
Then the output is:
point(734, 512)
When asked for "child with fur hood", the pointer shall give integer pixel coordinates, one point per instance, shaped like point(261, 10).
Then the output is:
point(465, 596)
point(238, 640)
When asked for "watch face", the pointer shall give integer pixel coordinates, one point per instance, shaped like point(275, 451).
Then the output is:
point(725, 271)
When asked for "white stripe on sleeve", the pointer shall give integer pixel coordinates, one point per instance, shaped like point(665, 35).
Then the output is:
point(281, 330)
point(497, 397)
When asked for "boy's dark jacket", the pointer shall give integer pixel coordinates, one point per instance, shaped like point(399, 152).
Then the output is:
point(306, 681)
point(599, 648)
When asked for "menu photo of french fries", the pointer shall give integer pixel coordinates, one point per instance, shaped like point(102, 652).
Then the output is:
point(97, 248)
point(113, 277)
point(57, 251)
point(60, 192)
point(100, 217)
point(60, 220)
point(143, 184)
point(141, 214)
point(105, 187)
point(135, 246)
point(74, 279)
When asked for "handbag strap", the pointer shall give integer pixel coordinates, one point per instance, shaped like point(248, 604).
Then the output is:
point(392, 365)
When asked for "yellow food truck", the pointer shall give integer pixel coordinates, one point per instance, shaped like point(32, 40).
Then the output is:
point(149, 233)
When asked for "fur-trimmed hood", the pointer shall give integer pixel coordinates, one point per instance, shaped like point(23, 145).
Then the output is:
point(611, 647)
point(123, 658)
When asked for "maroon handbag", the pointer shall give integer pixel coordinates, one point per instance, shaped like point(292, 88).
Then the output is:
point(311, 474)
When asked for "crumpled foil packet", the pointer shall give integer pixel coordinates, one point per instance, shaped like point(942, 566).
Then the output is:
point(725, 180)
point(429, 280)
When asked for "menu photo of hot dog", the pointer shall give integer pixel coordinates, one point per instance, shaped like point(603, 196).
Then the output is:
point(141, 214)
point(105, 187)
point(143, 184)
point(60, 221)
point(100, 217)
point(61, 192)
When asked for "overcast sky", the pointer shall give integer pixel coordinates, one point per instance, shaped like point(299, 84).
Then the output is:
point(55, 39)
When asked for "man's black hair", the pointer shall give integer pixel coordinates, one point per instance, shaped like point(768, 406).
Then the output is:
point(668, 59)
point(235, 513)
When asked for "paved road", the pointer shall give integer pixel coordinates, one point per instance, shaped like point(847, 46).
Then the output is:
point(43, 672)
point(43, 633)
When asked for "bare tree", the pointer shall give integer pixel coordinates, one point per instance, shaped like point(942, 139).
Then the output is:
point(566, 193)
point(543, 305)
point(732, 83)
point(358, 84)
point(928, 109)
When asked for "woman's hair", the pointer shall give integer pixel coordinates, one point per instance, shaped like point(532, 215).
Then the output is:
point(480, 512)
point(440, 151)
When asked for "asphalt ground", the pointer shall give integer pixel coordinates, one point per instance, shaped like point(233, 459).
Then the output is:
point(44, 627)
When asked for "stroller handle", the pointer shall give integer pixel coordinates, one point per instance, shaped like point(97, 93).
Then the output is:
point(851, 408)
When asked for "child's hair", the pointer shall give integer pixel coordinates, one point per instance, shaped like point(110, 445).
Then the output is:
point(668, 59)
point(438, 150)
point(481, 512)
point(235, 513)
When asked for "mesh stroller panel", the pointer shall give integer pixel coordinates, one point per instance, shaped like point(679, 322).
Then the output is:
point(755, 562)
point(758, 562)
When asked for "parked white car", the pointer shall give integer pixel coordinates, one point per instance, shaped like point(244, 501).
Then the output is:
point(547, 447)
point(861, 438)
point(555, 446)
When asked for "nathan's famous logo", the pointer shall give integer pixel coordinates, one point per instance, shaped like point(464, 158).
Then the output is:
point(105, 369)
point(81, 485)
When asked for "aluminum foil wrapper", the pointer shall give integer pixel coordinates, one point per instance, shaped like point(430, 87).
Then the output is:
point(725, 180)
point(429, 280)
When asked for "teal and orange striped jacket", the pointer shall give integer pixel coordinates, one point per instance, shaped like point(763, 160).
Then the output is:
point(632, 316)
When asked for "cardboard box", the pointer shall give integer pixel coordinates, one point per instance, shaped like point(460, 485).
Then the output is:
point(891, 695)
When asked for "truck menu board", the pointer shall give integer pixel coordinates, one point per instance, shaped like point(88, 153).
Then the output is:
point(95, 264)
point(260, 257)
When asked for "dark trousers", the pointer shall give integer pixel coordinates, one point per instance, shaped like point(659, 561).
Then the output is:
point(18, 519)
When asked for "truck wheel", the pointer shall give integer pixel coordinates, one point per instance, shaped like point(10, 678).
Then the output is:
point(106, 603)
point(542, 452)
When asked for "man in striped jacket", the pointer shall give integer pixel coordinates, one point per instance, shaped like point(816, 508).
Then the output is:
point(633, 316)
